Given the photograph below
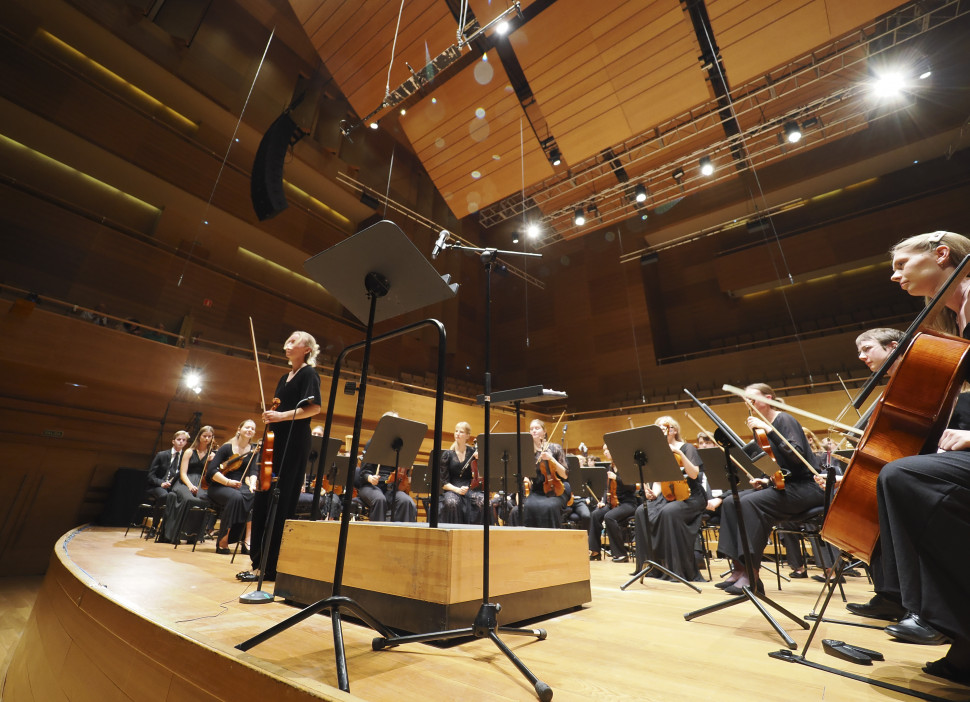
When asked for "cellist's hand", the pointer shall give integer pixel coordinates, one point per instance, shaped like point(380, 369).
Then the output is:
point(955, 440)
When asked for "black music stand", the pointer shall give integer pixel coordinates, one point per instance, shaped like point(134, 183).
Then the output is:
point(594, 477)
point(395, 443)
point(486, 620)
point(378, 264)
point(320, 457)
point(646, 447)
point(727, 439)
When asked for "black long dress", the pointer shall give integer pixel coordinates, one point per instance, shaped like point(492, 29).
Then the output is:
point(762, 509)
point(666, 530)
point(542, 509)
point(291, 448)
point(455, 508)
point(181, 499)
point(236, 503)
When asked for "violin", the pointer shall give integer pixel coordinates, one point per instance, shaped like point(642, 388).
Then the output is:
point(551, 480)
point(777, 478)
point(675, 490)
point(402, 478)
point(611, 499)
point(476, 482)
point(266, 464)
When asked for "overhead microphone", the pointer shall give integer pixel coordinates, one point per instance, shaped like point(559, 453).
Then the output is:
point(440, 243)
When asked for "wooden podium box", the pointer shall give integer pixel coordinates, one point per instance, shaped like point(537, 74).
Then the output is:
point(417, 579)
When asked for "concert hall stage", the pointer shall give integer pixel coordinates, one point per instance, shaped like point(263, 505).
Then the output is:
point(126, 619)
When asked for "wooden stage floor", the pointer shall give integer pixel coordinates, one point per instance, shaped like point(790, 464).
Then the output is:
point(625, 645)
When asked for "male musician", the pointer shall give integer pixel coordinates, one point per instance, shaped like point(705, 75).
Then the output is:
point(373, 491)
point(612, 517)
point(161, 475)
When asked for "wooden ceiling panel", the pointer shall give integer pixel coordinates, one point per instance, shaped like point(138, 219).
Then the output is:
point(356, 45)
point(454, 140)
point(753, 37)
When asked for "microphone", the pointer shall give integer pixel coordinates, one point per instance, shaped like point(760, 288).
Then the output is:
point(303, 402)
point(440, 244)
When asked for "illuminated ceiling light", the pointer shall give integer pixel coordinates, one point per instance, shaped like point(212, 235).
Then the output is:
point(707, 168)
point(640, 193)
point(678, 174)
point(502, 27)
point(889, 84)
point(579, 219)
point(555, 158)
point(515, 237)
point(532, 231)
point(193, 380)
point(792, 133)
point(925, 74)
point(403, 111)
point(373, 125)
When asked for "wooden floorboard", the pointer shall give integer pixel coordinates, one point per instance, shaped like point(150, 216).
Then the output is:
point(625, 645)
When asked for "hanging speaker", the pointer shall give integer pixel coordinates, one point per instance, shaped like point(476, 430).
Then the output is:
point(266, 182)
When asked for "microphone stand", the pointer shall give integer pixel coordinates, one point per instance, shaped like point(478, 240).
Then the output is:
point(257, 596)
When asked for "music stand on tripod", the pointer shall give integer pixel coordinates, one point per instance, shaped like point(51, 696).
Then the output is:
point(728, 440)
point(486, 620)
point(646, 448)
point(395, 443)
point(376, 265)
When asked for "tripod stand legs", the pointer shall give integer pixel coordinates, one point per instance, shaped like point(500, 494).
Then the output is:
point(650, 565)
point(756, 600)
point(485, 625)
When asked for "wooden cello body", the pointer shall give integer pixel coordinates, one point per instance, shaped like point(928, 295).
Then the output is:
point(909, 418)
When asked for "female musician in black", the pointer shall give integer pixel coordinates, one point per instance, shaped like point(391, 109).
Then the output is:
point(666, 530)
point(299, 394)
point(230, 484)
point(924, 501)
point(460, 504)
point(766, 506)
point(612, 517)
point(544, 509)
point(187, 493)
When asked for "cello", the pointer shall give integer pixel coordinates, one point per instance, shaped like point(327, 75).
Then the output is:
point(911, 416)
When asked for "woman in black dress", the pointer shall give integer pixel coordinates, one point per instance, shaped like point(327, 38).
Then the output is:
point(544, 509)
point(187, 492)
point(612, 516)
point(766, 506)
point(299, 394)
point(231, 483)
point(460, 504)
point(666, 529)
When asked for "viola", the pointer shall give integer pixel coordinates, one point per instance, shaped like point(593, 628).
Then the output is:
point(476, 482)
point(611, 499)
point(402, 478)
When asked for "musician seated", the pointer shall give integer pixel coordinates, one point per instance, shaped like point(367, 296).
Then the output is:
point(577, 514)
point(543, 507)
point(666, 527)
point(232, 475)
point(460, 502)
point(612, 511)
point(187, 491)
point(375, 492)
point(767, 506)
point(161, 477)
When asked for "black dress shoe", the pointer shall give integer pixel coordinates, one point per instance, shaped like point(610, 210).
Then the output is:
point(596, 556)
point(878, 607)
point(822, 578)
point(724, 584)
point(798, 574)
point(620, 559)
point(244, 549)
point(946, 670)
point(914, 630)
point(733, 589)
point(247, 576)
point(223, 551)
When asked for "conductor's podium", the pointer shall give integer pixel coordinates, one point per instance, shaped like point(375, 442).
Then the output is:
point(417, 579)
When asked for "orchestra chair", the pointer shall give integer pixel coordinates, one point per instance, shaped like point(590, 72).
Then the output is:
point(140, 519)
point(807, 528)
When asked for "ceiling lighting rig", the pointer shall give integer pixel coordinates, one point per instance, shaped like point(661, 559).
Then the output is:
point(421, 79)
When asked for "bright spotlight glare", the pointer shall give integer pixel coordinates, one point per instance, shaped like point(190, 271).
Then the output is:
point(580, 220)
point(925, 74)
point(889, 85)
point(532, 231)
point(373, 125)
point(502, 27)
point(193, 379)
point(794, 137)
point(197, 389)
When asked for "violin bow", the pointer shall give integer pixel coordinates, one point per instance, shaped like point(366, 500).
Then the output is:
point(794, 410)
point(259, 375)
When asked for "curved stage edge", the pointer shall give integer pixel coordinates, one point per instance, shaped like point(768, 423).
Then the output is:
point(84, 641)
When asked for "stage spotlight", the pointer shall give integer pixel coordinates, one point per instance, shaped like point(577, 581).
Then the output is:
point(792, 133)
point(502, 27)
point(373, 125)
point(889, 84)
point(640, 193)
point(580, 218)
point(707, 168)
point(555, 158)
point(515, 237)
point(533, 231)
point(678, 174)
